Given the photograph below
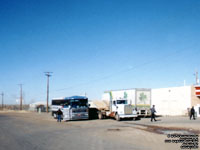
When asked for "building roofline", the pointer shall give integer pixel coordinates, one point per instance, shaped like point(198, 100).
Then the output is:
point(138, 89)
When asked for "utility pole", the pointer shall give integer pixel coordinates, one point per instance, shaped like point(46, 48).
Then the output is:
point(2, 94)
point(48, 74)
point(197, 78)
point(20, 96)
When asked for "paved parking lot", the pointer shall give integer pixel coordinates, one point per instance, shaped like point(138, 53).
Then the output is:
point(33, 131)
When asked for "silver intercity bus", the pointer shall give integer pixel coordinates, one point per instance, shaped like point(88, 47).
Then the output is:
point(73, 108)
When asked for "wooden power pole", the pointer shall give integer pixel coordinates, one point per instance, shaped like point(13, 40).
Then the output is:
point(21, 97)
point(48, 74)
point(2, 94)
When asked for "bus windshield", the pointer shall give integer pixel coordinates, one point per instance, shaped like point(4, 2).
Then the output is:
point(76, 103)
point(121, 101)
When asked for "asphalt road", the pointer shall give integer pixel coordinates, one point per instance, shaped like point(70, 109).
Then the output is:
point(32, 131)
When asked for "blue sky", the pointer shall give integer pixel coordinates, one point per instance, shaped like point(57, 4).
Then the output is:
point(96, 45)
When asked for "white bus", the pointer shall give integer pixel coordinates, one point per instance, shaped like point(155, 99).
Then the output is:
point(73, 108)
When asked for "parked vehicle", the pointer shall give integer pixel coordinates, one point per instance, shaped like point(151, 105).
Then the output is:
point(115, 108)
point(73, 108)
point(139, 98)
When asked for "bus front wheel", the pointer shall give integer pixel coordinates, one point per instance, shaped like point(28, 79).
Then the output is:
point(117, 117)
point(100, 115)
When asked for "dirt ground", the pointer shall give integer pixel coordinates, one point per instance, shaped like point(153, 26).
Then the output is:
point(34, 131)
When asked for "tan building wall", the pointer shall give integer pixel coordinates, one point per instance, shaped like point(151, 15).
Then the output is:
point(172, 101)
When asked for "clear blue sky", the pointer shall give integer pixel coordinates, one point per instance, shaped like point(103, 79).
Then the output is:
point(96, 45)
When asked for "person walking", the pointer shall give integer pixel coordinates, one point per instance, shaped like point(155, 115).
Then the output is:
point(59, 115)
point(192, 113)
point(153, 111)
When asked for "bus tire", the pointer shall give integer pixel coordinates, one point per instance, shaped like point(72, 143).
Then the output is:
point(100, 115)
point(55, 116)
point(117, 117)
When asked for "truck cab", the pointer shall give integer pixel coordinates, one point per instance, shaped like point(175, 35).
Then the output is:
point(117, 105)
point(121, 109)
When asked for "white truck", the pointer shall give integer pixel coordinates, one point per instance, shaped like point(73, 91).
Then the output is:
point(139, 98)
point(115, 108)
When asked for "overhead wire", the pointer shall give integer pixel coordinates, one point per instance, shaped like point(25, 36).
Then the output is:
point(164, 57)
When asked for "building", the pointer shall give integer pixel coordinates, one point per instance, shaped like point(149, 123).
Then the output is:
point(172, 101)
point(176, 101)
point(38, 106)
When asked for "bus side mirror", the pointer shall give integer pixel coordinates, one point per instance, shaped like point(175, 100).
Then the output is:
point(88, 105)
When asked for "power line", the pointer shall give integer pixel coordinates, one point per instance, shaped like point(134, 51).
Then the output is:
point(175, 53)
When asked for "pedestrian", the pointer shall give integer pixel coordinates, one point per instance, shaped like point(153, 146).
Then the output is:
point(192, 113)
point(59, 115)
point(153, 111)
